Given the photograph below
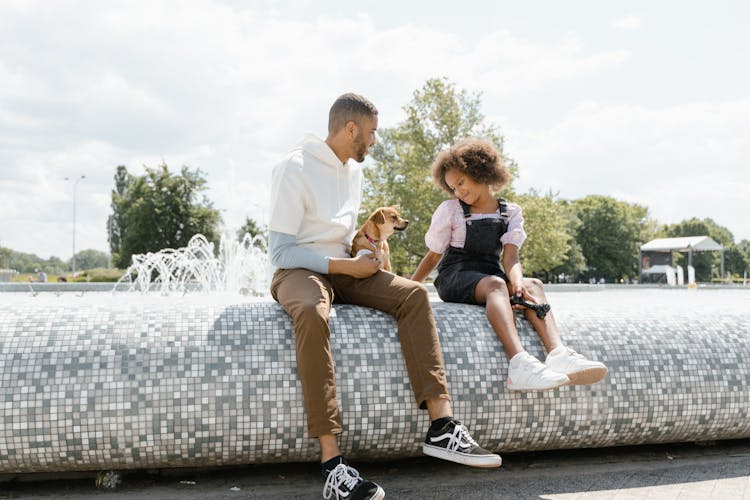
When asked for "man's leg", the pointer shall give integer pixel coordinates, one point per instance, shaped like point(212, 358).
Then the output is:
point(408, 302)
point(307, 296)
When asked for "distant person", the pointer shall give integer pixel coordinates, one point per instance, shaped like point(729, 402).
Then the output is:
point(62, 279)
point(467, 236)
point(315, 198)
point(41, 276)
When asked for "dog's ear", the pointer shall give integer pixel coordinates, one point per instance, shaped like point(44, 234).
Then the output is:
point(378, 217)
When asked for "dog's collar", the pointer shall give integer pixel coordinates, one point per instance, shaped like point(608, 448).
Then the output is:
point(372, 242)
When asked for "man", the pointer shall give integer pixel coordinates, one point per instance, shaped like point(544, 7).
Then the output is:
point(315, 199)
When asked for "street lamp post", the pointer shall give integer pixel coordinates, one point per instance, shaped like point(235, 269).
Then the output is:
point(75, 184)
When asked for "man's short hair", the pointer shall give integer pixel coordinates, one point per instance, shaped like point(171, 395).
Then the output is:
point(349, 107)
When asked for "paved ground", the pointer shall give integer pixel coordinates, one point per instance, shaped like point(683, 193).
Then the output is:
point(720, 470)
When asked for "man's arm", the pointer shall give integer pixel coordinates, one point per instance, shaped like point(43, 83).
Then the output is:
point(286, 254)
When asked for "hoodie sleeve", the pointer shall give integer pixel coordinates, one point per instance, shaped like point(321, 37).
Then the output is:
point(287, 198)
point(285, 254)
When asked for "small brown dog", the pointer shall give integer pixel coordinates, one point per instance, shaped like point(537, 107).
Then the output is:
point(374, 233)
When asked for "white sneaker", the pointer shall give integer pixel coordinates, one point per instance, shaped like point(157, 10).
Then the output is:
point(526, 373)
point(580, 370)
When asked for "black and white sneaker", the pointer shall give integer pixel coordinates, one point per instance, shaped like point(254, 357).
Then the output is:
point(345, 482)
point(453, 442)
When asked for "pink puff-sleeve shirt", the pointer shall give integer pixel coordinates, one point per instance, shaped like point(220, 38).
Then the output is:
point(448, 226)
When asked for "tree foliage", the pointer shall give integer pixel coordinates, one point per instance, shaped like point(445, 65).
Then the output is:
point(27, 262)
point(90, 259)
point(609, 236)
point(548, 239)
point(5, 254)
point(437, 117)
point(158, 210)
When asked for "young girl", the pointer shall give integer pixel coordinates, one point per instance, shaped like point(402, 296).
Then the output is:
point(467, 236)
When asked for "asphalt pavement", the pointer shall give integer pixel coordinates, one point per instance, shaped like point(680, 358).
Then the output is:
point(718, 470)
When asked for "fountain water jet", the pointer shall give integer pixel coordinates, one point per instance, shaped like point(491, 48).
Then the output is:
point(241, 266)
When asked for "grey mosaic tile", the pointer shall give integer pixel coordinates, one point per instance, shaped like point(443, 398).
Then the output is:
point(183, 382)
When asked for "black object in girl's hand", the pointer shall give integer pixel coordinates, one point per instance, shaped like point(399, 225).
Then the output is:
point(541, 310)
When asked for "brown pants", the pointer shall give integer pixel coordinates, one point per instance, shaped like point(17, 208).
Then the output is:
point(307, 297)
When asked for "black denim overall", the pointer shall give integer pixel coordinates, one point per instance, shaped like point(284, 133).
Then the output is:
point(461, 269)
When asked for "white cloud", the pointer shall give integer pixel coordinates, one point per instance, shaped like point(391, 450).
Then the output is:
point(681, 161)
point(507, 65)
point(628, 23)
point(85, 87)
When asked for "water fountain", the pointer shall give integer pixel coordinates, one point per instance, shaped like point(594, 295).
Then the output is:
point(195, 374)
point(240, 266)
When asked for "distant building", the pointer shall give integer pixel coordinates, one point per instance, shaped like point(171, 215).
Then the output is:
point(655, 257)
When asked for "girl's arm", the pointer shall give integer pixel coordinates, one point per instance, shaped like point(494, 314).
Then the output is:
point(512, 268)
point(425, 267)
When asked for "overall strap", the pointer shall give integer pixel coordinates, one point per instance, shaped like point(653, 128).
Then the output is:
point(504, 217)
point(466, 208)
point(503, 206)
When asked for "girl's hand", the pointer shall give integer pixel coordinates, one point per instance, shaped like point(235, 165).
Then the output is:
point(517, 288)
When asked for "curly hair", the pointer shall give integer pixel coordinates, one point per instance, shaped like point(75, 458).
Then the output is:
point(477, 158)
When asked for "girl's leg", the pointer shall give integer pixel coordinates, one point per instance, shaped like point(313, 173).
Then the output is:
point(546, 328)
point(492, 291)
point(578, 368)
point(525, 372)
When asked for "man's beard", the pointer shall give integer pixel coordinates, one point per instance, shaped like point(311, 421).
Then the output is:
point(360, 149)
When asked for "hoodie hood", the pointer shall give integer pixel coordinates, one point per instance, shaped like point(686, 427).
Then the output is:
point(318, 148)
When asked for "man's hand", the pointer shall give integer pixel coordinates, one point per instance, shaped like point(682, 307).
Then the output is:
point(362, 266)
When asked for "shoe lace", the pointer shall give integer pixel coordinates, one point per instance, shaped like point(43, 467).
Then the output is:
point(459, 438)
point(574, 354)
point(342, 475)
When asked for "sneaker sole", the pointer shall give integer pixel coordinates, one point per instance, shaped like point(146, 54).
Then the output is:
point(483, 461)
point(588, 376)
point(539, 389)
point(379, 495)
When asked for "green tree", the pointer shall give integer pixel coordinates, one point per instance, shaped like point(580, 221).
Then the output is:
point(90, 259)
point(5, 257)
point(158, 210)
point(437, 117)
point(548, 240)
point(744, 248)
point(116, 221)
point(573, 265)
point(27, 262)
point(609, 236)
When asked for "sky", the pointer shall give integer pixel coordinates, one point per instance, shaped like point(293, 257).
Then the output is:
point(647, 102)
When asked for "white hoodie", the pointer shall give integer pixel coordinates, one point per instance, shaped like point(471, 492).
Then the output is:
point(316, 197)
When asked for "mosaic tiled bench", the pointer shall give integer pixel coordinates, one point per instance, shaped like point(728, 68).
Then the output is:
point(113, 382)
